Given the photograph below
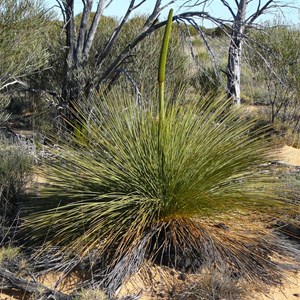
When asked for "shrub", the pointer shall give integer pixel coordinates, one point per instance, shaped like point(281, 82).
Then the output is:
point(132, 192)
point(15, 169)
point(91, 294)
point(211, 287)
point(206, 81)
point(137, 185)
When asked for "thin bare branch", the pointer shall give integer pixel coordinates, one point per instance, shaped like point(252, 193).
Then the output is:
point(207, 46)
point(93, 29)
point(226, 4)
point(139, 4)
point(63, 12)
point(115, 34)
point(190, 43)
point(259, 11)
point(139, 97)
point(125, 53)
point(15, 81)
point(167, 4)
point(196, 3)
point(153, 16)
point(108, 4)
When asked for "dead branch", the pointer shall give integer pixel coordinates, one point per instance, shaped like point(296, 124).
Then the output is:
point(13, 281)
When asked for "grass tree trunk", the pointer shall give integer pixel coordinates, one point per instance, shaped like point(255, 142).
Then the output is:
point(234, 55)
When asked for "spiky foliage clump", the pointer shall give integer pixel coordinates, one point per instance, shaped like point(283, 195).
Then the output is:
point(133, 188)
point(4, 101)
point(15, 172)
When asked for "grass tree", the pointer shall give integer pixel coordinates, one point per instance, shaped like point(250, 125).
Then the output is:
point(138, 186)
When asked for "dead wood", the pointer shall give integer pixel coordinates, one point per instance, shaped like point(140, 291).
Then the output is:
point(12, 281)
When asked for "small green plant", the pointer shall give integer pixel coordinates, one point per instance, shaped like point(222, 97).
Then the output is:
point(15, 169)
point(8, 253)
point(91, 294)
point(4, 101)
point(210, 287)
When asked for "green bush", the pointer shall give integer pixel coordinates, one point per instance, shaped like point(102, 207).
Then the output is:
point(206, 81)
point(15, 169)
point(211, 287)
point(91, 294)
point(4, 101)
point(274, 60)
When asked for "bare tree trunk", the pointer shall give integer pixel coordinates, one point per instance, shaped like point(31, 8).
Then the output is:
point(233, 70)
point(272, 112)
point(67, 89)
point(78, 79)
point(78, 46)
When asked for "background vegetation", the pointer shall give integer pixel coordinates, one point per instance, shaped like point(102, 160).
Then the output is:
point(196, 196)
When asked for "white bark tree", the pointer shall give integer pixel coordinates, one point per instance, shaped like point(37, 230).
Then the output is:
point(233, 70)
point(241, 17)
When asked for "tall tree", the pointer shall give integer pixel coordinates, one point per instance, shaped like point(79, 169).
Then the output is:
point(233, 70)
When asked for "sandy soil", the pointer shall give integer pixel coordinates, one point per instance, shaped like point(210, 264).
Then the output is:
point(50, 280)
point(289, 291)
point(290, 155)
